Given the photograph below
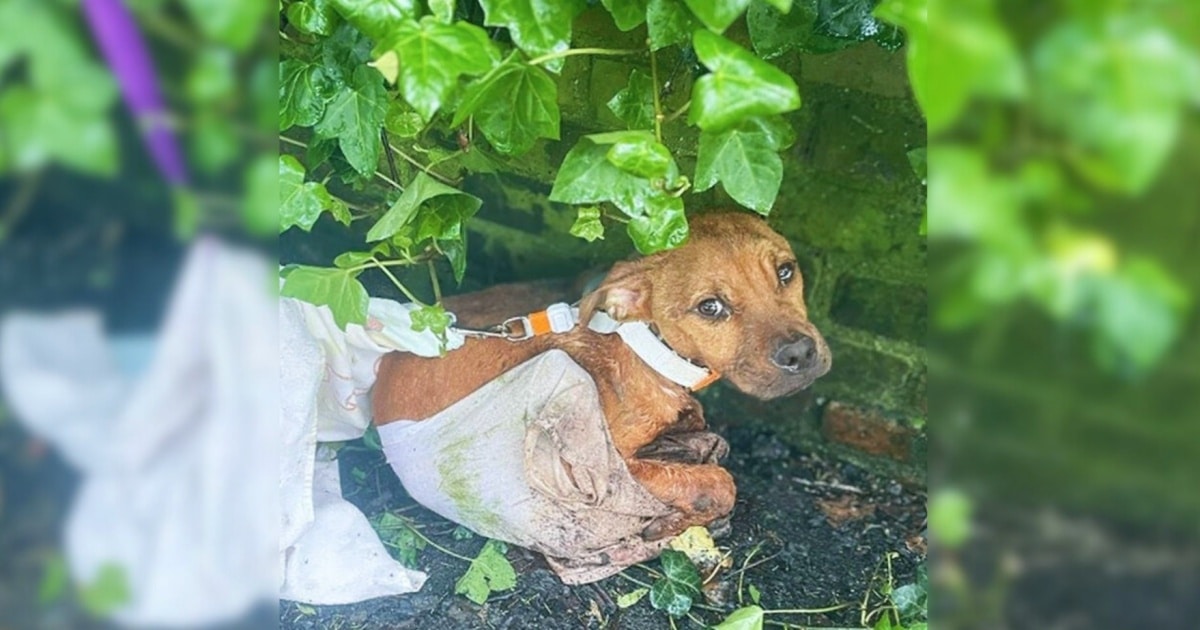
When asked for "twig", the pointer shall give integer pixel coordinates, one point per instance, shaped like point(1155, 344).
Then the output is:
point(571, 52)
point(679, 112)
point(829, 484)
point(427, 170)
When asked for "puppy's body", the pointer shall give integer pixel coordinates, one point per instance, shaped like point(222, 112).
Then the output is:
point(759, 338)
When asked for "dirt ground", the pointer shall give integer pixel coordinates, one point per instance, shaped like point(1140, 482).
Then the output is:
point(823, 530)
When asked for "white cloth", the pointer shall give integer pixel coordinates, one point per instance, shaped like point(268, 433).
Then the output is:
point(177, 462)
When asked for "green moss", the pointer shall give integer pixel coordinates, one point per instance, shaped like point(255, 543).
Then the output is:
point(460, 485)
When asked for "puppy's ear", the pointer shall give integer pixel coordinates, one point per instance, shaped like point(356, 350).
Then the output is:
point(624, 294)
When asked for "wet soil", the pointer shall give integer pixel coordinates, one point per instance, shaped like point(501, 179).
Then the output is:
point(821, 529)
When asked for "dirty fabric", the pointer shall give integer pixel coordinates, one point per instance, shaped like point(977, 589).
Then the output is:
point(527, 459)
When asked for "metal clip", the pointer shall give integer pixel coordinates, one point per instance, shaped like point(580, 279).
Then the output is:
point(505, 329)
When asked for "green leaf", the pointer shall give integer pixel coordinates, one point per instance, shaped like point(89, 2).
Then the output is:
point(462, 533)
point(773, 32)
point(354, 117)
point(635, 103)
point(433, 318)
point(315, 17)
point(261, 203)
point(41, 128)
point(679, 587)
point(631, 598)
point(107, 592)
point(746, 618)
point(537, 27)
point(910, 602)
point(443, 10)
point(212, 77)
point(586, 176)
point(55, 580)
point(300, 202)
point(745, 160)
point(739, 86)
point(489, 572)
point(431, 56)
point(755, 595)
point(669, 22)
point(455, 251)
point(1118, 89)
point(627, 14)
point(1139, 314)
point(304, 88)
point(422, 189)
point(514, 105)
point(717, 15)
point(376, 18)
point(950, 518)
point(231, 23)
point(338, 289)
point(663, 227)
point(399, 535)
point(401, 121)
point(644, 158)
point(587, 224)
point(783, 6)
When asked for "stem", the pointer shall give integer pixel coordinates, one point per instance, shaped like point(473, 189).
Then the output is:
point(679, 112)
point(633, 579)
point(403, 289)
point(437, 288)
point(437, 546)
point(297, 143)
point(571, 52)
point(411, 160)
point(805, 611)
point(658, 113)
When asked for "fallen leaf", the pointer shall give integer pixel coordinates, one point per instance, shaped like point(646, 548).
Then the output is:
point(845, 509)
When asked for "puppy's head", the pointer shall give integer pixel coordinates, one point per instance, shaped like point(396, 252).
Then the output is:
point(731, 298)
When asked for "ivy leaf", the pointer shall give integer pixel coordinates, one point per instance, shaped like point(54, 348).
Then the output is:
point(514, 105)
point(423, 188)
point(635, 103)
point(586, 176)
point(679, 587)
point(303, 89)
point(489, 572)
point(755, 595)
point(401, 121)
point(338, 289)
point(537, 27)
point(398, 534)
point(774, 31)
point(261, 202)
point(433, 318)
point(669, 22)
point(377, 17)
point(300, 203)
point(745, 618)
point(739, 86)
point(430, 56)
point(664, 226)
point(587, 226)
point(354, 117)
point(315, 17)
point(455, 250)
point(644, 157)
point(745, 160)
point(717, 15)
point(443, 10)
point(627, 14)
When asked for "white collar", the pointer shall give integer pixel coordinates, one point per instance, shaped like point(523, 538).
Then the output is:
point(654, 352)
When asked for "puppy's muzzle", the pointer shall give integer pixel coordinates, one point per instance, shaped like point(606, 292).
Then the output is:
point(796, 355)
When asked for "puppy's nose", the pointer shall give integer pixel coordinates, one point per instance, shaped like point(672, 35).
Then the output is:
point(796, 354)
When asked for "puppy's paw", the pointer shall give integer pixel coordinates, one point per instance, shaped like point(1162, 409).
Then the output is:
point(665, 526)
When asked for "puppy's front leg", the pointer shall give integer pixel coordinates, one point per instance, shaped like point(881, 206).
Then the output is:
point(700, 493)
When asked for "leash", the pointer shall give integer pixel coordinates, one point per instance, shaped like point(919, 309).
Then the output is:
point(561, 317)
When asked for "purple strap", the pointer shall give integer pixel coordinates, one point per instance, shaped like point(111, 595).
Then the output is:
point(121, 43)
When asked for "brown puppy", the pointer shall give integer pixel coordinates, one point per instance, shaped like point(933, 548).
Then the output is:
point(730, 299)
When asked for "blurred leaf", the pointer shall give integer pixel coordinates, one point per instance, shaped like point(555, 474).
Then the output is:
point(537, 27)
point(514, 105)
point(642, 156)
point(745, 160)
point(950, 518)
point(679, 587)
point(587, 224)
point(55, 580)
point(185, 217)
point(966, 200)
point(300, 203)
point(304, 88)
point(717, 15)
point(631, 598)
point(668, 22)
point(354, 117)
point(434, 56)
point(338, 289)
point(231, 23)
point(739, 86)
point(261, 206)
point(214, 144)
point(627, 14)
point(40, 128)
point(1118, 89)
point(377, 18)
point(1139, 314)
point(212, 76)
point(108, 591)
point(746, 618)
point(635, 103)
point(489, 572)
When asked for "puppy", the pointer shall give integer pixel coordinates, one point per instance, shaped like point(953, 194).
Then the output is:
point(730, 300)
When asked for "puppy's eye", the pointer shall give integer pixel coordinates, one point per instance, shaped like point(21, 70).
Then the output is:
point(786, 272)
point(711, 308)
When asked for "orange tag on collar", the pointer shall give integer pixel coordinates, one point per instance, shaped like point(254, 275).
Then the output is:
point(539, 323)
point(713, 377)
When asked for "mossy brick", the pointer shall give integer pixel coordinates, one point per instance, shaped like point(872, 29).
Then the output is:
point(896, 311)
point(868, 430)
point(863, 374)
